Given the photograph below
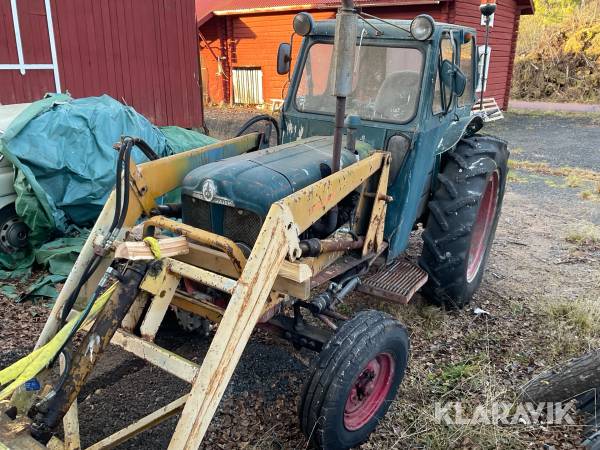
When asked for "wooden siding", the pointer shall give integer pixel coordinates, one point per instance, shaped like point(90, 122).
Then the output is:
point(503, 38)
point(141, 52)
point(252, 40)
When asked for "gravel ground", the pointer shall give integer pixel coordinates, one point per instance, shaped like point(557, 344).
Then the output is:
point(531, 266)
point(558, 139)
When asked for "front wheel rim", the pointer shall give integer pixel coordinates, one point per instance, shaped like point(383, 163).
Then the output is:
point(482, 227)
point(369, 391)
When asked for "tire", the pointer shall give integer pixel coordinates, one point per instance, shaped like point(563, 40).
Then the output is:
point(13, 231)
point(463, 215)
point(368, 353)
point(190, 323)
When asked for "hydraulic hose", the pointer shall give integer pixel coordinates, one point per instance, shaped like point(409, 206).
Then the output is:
point(121, 206)
point(122, 180)
point(260, 118)
point(146, 149)
point(47, 416)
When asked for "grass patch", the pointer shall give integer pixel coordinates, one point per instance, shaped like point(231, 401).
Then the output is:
point(452, 374)
point(553, 183)
point(572, 173)
point(411, 421)
point(514, 177)
point(573, 324)
point(591, 194)
point(585, 236)
point(577, 316)
point(573, 180)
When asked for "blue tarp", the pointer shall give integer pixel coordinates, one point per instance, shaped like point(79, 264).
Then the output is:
point(62, 149)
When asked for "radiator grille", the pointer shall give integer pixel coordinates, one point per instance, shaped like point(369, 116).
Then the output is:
point(238, 225)
point(241, 226)
point(196, 213)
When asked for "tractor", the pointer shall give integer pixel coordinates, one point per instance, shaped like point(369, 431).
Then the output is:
point(375, 140)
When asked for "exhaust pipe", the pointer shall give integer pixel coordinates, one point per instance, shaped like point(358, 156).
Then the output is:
point(344, 51)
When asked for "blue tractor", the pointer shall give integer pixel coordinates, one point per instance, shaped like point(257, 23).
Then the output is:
point(375, 139)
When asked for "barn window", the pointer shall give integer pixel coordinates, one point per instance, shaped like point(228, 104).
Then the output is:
point(247, 86)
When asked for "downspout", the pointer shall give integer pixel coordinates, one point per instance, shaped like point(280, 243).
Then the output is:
point(344, 50)
point(230, 41)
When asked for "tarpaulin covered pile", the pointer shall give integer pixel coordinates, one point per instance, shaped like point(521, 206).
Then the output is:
point(62, 150)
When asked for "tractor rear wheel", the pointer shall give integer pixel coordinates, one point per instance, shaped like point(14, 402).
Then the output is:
point(354, 380)
point(13, 231)
point(463, 215)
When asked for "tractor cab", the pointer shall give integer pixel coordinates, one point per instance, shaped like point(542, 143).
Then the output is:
point(410, 93)
point(409, 76)
point(412, 90)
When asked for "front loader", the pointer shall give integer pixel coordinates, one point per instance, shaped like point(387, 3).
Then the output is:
point(375, 139)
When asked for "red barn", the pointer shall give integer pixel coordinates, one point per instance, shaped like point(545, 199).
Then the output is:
point(143, 53)
point(239, 40)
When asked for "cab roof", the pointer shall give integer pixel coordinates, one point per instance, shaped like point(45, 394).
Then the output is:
point(391, 28)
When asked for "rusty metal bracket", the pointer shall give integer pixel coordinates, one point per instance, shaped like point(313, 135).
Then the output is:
point(230, 248)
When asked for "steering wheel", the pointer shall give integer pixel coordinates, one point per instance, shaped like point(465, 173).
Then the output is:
point(266, 133)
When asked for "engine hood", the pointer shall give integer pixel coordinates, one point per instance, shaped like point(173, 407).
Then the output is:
point(254, 181)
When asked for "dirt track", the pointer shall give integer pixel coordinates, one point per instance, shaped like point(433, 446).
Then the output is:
point(455, 355)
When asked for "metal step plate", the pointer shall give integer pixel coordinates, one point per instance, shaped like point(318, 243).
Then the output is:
point(397, 282)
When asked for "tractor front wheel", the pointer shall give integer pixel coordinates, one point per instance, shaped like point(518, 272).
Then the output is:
point(354, 380)
point(463, 215)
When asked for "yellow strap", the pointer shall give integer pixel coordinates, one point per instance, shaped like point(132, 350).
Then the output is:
point(28, 367)
point(154, 247)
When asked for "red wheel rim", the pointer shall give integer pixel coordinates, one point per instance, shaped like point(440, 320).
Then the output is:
point(482, 227)
point(368, 392)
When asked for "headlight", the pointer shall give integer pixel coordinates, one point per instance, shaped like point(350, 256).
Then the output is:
point(303, 23)
point(422, 27)
point(209, 189)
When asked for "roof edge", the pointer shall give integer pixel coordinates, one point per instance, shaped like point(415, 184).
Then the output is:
point(526, 7)
point(313, 6)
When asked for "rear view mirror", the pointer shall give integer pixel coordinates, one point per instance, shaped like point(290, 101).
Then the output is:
point(460, 82)
point(453, 78)
point(283, 58)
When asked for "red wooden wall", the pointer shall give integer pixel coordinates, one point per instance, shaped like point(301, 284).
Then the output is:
point(141, 52)
point(252, 40)
point(503, 41)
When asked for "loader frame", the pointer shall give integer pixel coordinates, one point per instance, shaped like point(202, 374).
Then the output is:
point(258, 284)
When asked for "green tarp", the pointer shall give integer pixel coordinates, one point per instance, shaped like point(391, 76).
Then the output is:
point(63, 154)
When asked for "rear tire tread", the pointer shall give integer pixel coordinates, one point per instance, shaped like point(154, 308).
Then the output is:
point(454, 207)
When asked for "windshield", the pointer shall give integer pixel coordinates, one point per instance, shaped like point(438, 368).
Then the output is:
point(386, 85)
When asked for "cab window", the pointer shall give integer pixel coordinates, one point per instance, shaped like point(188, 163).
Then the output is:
point(386, 82)
point(467, 51)
point(443, 94)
